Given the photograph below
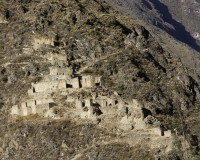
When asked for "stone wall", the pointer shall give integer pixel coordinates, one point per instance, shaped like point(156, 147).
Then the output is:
point(139, 123)
point(33, 95)
point(79, 104)
point(15, 110)
point(56, 77)
point(102, 102)
point(98, 80)
point(157, 131)
point(60, 71)
point(43, 86)
point(42, 108)
point(55, 57)
point(75, 82)
point(87, 114)
point(24, 109)
point(31, 107)
point(105, 101)
point(31, 104)
point(90, 81)
point(88, 102)
point(168, 133)
point(41, 41)
point(43, 101)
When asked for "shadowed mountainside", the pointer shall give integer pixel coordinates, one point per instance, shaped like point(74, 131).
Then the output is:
point(181, 26)
point(179, 32)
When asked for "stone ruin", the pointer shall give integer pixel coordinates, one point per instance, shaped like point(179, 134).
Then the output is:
point(32, 107)
point(59, 79)
point(37, 42)
point(134, 116)
point(130, 115)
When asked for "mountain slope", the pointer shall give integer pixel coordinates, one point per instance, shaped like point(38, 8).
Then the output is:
point(156, 90)
point(175, 28)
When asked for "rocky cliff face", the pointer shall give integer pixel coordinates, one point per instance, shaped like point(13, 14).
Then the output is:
point(187, 14)
point(173, 22)
point(178, 18)
point(154, 93)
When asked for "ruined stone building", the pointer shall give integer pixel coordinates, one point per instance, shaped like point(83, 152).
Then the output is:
point(131, 114)
point(60, 78)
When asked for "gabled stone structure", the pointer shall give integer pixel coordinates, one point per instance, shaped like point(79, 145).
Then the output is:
point(60, 71)
point(39, 106)
point(43, 86)
point(87, 108)
point(48, 78)
point(91, 81)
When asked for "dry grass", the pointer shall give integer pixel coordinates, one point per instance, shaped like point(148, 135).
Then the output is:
point(28, 118)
